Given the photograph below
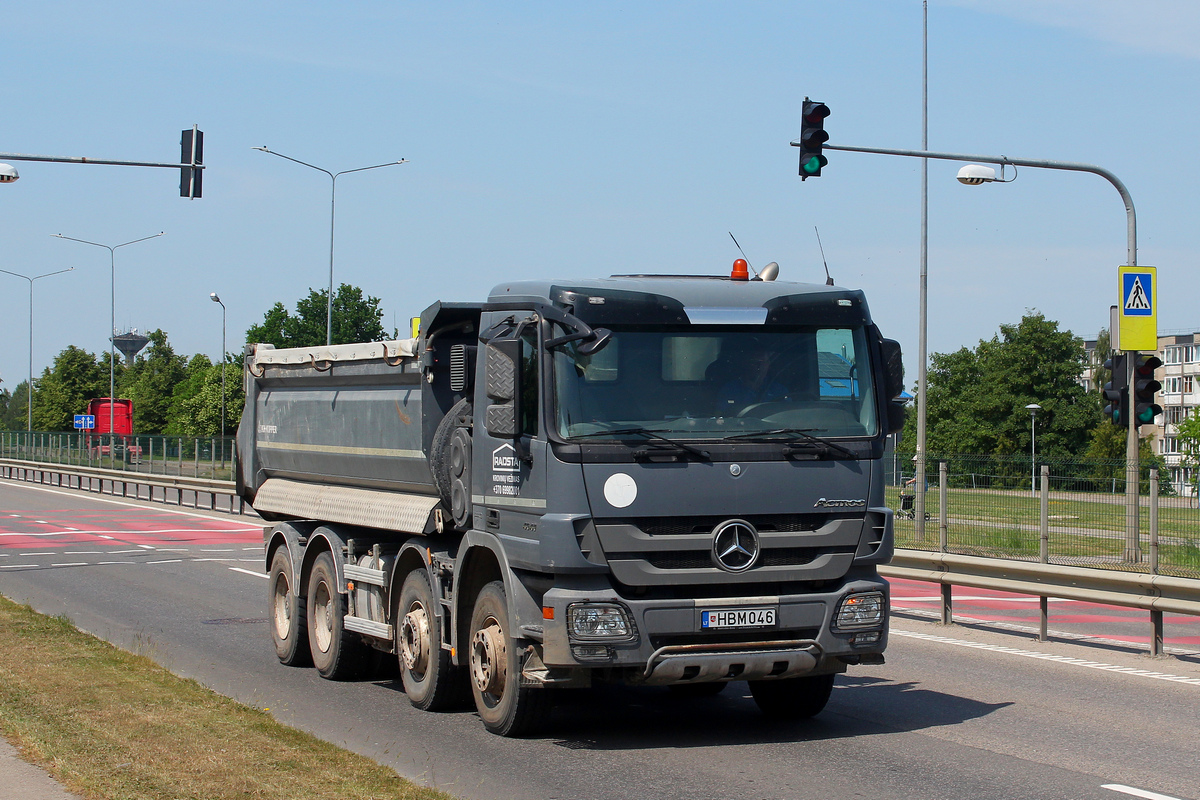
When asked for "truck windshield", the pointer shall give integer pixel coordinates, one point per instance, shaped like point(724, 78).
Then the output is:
point(717, 383)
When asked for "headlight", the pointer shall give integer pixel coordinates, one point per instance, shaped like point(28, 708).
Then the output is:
point(865, 610)
point(598, 621)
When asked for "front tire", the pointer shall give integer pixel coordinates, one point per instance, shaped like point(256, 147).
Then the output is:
point(506, 707)
point(431, 682)
point(337, 654)
point(287, 613)
point(792, 698)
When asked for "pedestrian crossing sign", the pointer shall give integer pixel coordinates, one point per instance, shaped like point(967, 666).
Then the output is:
point(1139, 308)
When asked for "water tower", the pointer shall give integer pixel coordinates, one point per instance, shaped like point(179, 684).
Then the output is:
point(130, 343)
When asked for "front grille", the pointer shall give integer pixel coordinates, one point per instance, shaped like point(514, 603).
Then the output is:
point(675, 526)
point(733, 637)
point(780, 557)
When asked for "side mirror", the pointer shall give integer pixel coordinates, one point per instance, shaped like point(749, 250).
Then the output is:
point(503, 388)
point(599, 341)
point(896, 413)
point(893, 368)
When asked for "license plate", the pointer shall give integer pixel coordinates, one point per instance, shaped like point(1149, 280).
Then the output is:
point(737, 618)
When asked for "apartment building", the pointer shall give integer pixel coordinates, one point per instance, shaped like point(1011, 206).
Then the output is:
point(1179, 398)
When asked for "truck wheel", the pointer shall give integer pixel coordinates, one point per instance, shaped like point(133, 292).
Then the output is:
point(792, 698)
point(506, 707)
point(337, 654)
point(431, 682)
point(289, 626)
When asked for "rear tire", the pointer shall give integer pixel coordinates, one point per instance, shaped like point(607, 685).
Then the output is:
point(792, 698)
point(431, 682)
point(287, 613)
point(506, 707)
point(337, 654)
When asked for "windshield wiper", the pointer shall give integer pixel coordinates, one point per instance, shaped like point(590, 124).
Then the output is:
point(649, 434)
point(795, 433)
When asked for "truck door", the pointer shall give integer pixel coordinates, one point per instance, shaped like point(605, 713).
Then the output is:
point(509, 452)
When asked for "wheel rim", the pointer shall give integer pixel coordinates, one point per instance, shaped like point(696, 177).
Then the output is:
point(282, 609)
point(414, 640)
point(489, 659)
point(323, 617)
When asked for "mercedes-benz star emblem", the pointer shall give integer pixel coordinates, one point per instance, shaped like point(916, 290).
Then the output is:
point(735, 545)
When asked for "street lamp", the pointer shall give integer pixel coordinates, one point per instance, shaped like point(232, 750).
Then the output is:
point(112, 327)
point(1033, 409)
point(29, 386)
point(213, 296)
point(8, 173)
point(333, 176)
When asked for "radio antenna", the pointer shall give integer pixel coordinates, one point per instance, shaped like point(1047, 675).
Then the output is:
point(828, 280)
point(739, 247)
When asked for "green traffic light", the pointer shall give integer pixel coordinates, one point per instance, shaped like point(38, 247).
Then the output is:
point(813, 164)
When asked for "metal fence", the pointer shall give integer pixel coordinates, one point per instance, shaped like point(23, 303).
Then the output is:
point(1072, 513)
point(186, 456)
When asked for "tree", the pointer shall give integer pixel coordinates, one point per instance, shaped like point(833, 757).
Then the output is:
point(977, 398)
point(150, 383)
point(1189, 443)
point(197, 402)
point(355, 319)
point(65, 389)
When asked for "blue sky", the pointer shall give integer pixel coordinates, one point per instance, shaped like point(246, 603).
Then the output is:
point(577, 140)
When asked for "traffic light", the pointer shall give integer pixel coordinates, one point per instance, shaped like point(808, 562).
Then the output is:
point(191, 148)
point(1144, 389)
point(1116, 391)
point(812, 137)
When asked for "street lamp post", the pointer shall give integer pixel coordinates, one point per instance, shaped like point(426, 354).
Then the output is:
point(215, 299)
point(333, 176)
point(1033, 409)
point(112, 326)
point(29, 386)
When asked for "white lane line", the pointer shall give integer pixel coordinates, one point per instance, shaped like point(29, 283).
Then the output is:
point(1075, 662)
point(39, 554)
point(41, 522)
point(174, 550)
point(119, 552)
point(214, 559)
point(1117, 787)
point(71, 564)
point(116, 562)
point(226, 550)
point(82, 552)
point(18, 566)
point(938, 599)
point(110, 501)
point(43, 533)
point(145, 547)
point(69, 528)
point(104, 537)
point(168, 561)
point(248, 572)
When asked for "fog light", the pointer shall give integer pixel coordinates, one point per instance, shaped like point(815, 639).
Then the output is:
point(863, 610)
point(591, 652)
point(867, 637)
point(598, 621)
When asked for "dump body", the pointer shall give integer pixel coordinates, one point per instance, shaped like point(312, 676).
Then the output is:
point(666, 480)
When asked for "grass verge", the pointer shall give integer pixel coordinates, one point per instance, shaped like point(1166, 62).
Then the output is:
point(109, 724)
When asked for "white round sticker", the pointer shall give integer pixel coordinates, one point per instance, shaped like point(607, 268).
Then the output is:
point(620, 490)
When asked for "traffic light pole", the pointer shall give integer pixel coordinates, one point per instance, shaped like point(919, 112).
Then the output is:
point(1132, 546)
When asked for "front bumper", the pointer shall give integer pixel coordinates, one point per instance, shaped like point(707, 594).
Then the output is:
point(667, 643)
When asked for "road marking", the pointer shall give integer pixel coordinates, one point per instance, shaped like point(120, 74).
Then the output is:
point(1075, 662)
point(1116, 787)
point(215, 559)
point(143, 504)
point(71, 564)
point(43, 533)
point(38, 554)
point(41, 522)
point(81, 552)
point(145, 546)
point(18, 566)
point(227, 550)
point(248, 572)
point(938, 599)
point(119, 552)
point(168, 561)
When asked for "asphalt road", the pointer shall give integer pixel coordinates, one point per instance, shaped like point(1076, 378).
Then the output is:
point(957, 712)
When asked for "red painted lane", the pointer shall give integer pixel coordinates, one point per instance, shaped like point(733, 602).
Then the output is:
point(25, 529)
point(1090, 619)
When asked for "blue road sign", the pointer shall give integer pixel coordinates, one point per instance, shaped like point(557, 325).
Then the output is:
point(85, 421)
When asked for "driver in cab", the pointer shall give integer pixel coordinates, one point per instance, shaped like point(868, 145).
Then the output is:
point(747, 380)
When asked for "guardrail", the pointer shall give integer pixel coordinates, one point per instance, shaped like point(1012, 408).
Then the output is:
point(157, 488)
point(1154, 593)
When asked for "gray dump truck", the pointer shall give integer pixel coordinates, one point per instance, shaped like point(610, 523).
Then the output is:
point(653, 480)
